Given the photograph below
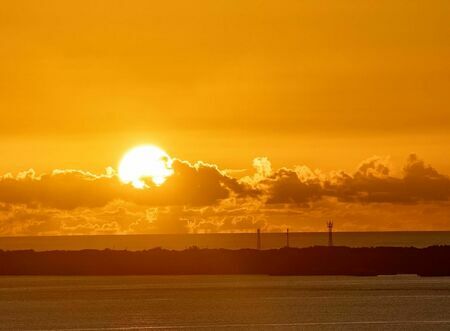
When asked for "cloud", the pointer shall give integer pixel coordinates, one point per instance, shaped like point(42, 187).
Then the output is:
point(423, 182)
point(286, 186)
point(372, 183)
point(203, 184)
point(191, 184)
point(263, 167)
point(200, 197)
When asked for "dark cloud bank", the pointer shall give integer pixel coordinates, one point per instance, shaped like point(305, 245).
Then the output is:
point(202, 197)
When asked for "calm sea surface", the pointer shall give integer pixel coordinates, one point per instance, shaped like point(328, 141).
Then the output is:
point(224, 302)
point(225, 240)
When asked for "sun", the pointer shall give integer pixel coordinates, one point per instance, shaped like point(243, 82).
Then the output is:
point(145, 162)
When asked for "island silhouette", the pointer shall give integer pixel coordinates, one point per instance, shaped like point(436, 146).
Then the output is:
point(317, 260)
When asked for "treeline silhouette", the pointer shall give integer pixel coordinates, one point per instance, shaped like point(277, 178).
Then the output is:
point(430, 261)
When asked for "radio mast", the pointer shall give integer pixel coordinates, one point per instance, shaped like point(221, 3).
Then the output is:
point(330, 233)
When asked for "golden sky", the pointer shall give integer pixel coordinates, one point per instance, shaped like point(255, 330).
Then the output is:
point(326, 84)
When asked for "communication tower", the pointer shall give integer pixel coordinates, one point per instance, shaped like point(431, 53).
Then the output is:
point(330, 233)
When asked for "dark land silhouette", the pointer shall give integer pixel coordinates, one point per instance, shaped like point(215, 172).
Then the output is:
point(430, 261)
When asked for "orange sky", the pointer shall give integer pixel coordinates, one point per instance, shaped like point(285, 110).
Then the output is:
point(325, 84)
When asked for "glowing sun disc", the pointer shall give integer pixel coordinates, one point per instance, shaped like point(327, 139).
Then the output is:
point(145, 162)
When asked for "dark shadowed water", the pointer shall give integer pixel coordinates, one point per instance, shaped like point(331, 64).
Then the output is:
point(226, 240)
point(224, 302)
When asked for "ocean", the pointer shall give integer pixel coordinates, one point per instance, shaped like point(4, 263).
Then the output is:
point(224, 302)
point(225, 240)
